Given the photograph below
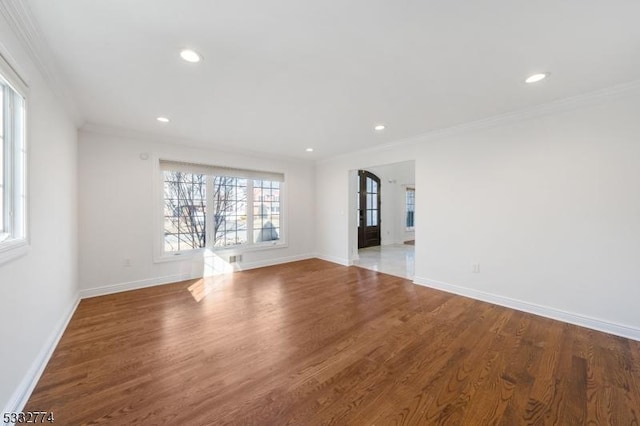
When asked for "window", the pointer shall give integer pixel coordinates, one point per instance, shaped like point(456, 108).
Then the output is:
point(217, 208)
point(184, 211)
point(266, 210)
point(229, 211)
point(12, 164)
point(410, 201)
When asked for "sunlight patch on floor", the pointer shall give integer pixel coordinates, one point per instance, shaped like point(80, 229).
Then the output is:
point(214, 266)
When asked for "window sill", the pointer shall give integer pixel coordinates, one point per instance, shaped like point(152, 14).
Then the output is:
point(185, 255)
point(13, 249)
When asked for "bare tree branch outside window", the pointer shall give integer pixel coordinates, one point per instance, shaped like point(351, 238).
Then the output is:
point(185, 197)
point(229, 211)
point(186, 214)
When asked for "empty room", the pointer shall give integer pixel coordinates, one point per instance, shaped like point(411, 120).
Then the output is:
point(331, 212)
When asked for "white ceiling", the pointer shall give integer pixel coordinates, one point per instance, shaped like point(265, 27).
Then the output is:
point(282, 75)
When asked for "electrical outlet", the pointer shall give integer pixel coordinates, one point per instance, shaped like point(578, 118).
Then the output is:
point(235, 258)
point(475, 268)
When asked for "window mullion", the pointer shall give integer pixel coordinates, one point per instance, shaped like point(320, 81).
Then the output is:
point(250, 237)
point(209, 216)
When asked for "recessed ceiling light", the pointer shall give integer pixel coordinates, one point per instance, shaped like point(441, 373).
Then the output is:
point(309, 149)
point(190, 55)
point(379, 127)
point(163, 119)
point(536, 77)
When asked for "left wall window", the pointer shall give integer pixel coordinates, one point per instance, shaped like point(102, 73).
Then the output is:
point(12, 164)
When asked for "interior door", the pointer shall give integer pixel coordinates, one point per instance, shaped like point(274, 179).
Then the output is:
point(368, 209)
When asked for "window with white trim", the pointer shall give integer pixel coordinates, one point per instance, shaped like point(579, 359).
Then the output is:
point(12, 163)
point(219, 208)
point(266, 210)
point(184, 210)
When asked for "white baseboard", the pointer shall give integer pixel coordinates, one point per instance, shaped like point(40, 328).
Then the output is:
point(30, 380)
point(271, 262)
point(332, 259)
point(135, 285)
point(168, 279)
point(545, 311)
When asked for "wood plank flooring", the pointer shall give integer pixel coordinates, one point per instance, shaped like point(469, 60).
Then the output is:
point(312, 342)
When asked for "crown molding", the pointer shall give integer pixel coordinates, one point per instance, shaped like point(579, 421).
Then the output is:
point(553, 107)
point(24, 25)
point(156, 138)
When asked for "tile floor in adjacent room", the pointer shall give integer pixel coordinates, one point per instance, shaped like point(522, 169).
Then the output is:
point(392, 259)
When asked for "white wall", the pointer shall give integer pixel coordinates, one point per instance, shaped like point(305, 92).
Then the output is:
point(336, 203)
point(39, 290)
point(548, 205)
point(118, 208)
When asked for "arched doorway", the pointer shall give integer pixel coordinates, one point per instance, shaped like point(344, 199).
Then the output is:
point(368, 209)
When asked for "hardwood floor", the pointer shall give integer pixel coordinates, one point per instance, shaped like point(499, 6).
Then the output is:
point(312, 342)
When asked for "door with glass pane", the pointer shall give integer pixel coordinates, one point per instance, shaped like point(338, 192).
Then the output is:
point(368, 209)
